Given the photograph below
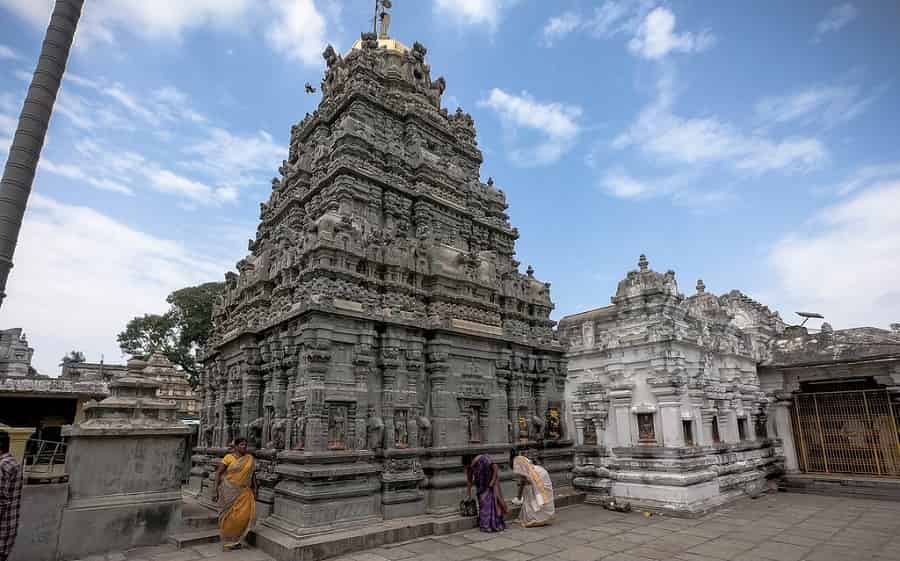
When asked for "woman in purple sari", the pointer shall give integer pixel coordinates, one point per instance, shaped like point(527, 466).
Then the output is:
point(482, 472)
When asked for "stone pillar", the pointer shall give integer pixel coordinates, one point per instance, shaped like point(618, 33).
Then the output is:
point(251, 390)
point(438, 372)
point(668, 398)
point(18, 438)
point(318, 357)
point(413, 371)
point(390, 363)
point(728, 428)
point(620, 397)
point(784, 430)
point(707, 416)
point(125, 469)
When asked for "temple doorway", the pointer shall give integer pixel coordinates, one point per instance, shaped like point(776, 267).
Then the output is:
point(847, 432)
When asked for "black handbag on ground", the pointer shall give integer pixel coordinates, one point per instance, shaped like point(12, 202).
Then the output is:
point(468, 508)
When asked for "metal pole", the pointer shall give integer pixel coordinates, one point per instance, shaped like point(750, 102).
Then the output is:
point(25, 150)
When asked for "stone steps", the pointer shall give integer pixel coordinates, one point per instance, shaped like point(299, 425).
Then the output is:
point(199, 525)
point(183, 540)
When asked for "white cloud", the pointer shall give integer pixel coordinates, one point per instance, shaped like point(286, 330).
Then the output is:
point(556, 123)
point(836, 18)
point(294, 28)
point(35, 12)
point(615, 17)
point(845, 265)
point(160, 19)
point(473, 12)
point(8, 122)
point(8, 53)
point(659, 132)
point(298, 31)
point(559, 26)
point(619, 183)
point(75, 173)
point(117, 92)
point(679, 187)
point(828, 104)
point(102, 20)
point(656, 37)
point(866, 175)
point(236, 159)
point(80, 275)
point(166, 181)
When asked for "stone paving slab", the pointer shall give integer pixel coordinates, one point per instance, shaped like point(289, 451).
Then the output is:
point(776, 527)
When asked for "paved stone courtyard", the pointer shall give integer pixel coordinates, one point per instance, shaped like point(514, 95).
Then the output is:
point(779, 527)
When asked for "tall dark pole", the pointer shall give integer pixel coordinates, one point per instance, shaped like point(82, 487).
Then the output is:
point(25, 150)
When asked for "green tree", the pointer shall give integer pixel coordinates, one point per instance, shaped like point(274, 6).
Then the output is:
point(179, 332)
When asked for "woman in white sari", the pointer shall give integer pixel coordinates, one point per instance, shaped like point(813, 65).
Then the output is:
point(535, 493)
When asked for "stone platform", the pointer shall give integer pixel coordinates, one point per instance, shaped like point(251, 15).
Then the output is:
point(775, 527)
point(841, 486)
point(385, 533)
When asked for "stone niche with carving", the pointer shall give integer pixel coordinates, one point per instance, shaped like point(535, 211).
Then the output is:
point(380, 328)
point(666, 405)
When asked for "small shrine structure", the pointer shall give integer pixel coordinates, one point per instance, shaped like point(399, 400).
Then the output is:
point(666, 405)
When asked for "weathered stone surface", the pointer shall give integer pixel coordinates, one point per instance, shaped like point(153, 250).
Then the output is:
point(39, 521)
point(665, 397)
point(379, 328)
point(124, 463)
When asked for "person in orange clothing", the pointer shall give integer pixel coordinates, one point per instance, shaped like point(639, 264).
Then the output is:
point(236, 490)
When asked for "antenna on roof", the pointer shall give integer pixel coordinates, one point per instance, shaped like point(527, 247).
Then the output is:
point(809, 315)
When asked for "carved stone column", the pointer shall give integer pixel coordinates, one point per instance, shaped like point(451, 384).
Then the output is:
point(318, 357)
point(784, 430)
point(708, 415)
point(251, 389)
point(438, 371)
point(668, 399)
point(620, 397)
point(414, 364)
point(389, 361)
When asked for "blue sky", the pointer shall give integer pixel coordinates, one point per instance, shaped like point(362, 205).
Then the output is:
point(751, 144)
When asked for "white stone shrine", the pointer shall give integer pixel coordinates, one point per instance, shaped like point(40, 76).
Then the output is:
point(665, 399)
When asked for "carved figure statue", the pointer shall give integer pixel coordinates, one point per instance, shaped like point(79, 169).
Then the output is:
point(425, 436)
point(256, 429)
point(279, 428)
point(299, 434)
point(554, 425)
point(330, 56)
point(538, 425)
point(337, 427)
point(401, 429)
point(375, 433)
point(522, 427)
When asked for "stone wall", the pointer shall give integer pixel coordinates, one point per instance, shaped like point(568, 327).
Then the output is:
point(40, 518)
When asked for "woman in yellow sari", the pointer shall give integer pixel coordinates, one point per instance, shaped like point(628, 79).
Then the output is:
point(236, 495)
point(535, 493)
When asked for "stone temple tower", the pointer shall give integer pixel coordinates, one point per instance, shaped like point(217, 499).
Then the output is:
point(379, 328)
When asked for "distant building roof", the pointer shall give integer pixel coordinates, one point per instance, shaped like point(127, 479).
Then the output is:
point(797, 346)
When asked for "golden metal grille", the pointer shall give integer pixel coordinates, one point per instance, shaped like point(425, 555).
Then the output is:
point(853, 432)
